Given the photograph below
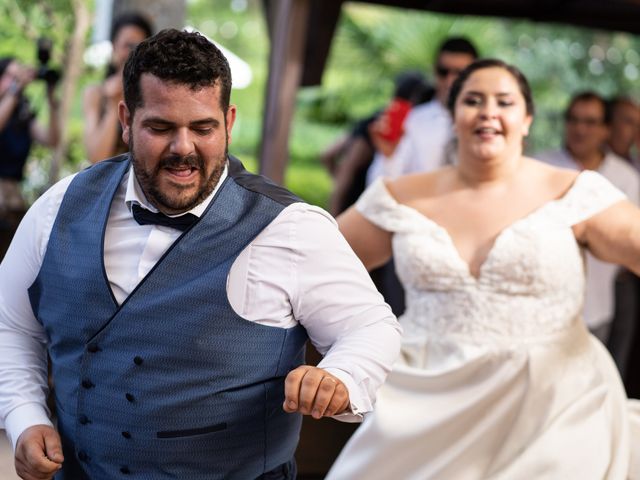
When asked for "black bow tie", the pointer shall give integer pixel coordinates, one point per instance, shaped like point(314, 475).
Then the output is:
point(147, 217)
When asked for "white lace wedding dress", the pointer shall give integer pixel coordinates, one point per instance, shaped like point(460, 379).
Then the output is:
point(498, 377)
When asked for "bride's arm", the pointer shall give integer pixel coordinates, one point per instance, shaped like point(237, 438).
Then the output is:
point(370, 243)
point(613, 235)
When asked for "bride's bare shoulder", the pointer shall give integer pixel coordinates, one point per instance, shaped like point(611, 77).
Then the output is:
point(555, 180)
point(410, 188)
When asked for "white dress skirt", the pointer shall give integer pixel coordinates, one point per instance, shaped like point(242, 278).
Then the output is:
point(498, 377)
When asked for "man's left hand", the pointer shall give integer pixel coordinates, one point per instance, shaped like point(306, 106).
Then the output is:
point(313, 391)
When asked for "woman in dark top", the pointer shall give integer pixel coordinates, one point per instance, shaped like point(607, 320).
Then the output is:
point(102, 133)
point(19, 130)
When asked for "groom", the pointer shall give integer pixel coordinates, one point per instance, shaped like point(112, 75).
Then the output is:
point(174, 292)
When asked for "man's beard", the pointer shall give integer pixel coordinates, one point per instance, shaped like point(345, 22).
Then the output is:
point(176, 203)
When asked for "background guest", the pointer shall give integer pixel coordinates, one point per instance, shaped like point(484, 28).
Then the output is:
point(102, 132)
point(19, 130)
point(588, 124)
point(427, 130)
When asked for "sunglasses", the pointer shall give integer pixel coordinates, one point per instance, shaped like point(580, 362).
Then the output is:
point(443, 71)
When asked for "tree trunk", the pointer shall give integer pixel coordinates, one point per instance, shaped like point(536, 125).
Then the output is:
point(73, 69)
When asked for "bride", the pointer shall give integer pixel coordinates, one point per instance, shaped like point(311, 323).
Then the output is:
point(498, 377)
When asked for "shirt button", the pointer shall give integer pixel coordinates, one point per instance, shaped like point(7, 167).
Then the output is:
point(86, 383)
point(83, 419)
point(124, 469)
point(126, 434)
point(130, 397)
point(137, 360)
point(83, 456)
point(93, 347)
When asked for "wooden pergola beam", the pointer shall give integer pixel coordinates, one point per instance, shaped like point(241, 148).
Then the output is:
point(301, 33)
point(288, 22)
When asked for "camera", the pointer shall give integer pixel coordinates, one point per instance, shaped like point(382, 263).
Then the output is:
point(49, 75)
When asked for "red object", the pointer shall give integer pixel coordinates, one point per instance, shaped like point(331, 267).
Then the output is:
point(395, 115)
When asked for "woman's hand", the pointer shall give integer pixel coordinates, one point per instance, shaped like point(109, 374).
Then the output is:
point(112, 88)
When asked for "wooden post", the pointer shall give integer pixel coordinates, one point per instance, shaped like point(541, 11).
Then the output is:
point(285, 72)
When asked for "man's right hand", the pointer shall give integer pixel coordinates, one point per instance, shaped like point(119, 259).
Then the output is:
point(38, 453)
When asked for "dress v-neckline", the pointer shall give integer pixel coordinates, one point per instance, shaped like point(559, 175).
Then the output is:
point(466, 266)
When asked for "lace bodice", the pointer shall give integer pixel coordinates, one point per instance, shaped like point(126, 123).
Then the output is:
point(530, 286)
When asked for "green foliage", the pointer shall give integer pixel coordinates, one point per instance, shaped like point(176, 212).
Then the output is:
point(374, 44)
point(371, 46)
point(27, 20)
point(309, 182)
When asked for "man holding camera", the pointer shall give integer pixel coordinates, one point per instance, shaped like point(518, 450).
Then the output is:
point(19, 129)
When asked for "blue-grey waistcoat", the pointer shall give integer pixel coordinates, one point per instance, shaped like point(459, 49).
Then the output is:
point(172, 383)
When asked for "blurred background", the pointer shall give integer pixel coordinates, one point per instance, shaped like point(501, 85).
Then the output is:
point(371, 45)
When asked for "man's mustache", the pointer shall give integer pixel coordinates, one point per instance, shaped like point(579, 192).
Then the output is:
point(177, 161)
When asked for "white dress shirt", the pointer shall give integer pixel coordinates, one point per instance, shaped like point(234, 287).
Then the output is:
point(599, 302)
point(423, 147)
point(297, 270)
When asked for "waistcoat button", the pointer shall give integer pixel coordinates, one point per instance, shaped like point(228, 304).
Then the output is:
point(83, 456)
point(83, 419)
point(137, 360)
point(86, 383)
point(126, 434)
point(130, 397)
point(93, 347)
point(124, 469)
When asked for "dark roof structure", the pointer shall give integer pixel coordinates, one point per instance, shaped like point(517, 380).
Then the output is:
point(301, 32)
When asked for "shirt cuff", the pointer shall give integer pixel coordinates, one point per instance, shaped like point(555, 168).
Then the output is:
point(23, 417)
point(358, 405)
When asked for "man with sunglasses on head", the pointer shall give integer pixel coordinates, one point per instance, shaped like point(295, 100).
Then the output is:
point(428, 127)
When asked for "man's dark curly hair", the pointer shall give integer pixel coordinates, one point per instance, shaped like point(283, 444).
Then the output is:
point(180, 57)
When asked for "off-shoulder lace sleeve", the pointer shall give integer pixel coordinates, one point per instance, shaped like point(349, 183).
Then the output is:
point(590, 194)
point(378, 206)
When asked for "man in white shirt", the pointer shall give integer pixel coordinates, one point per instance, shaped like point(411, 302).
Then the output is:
point(173, 292)
point(428, 127)
point(625, 127)
point(587, 129)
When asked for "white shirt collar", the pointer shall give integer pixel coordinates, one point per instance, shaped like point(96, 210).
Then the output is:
point(134, 194)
